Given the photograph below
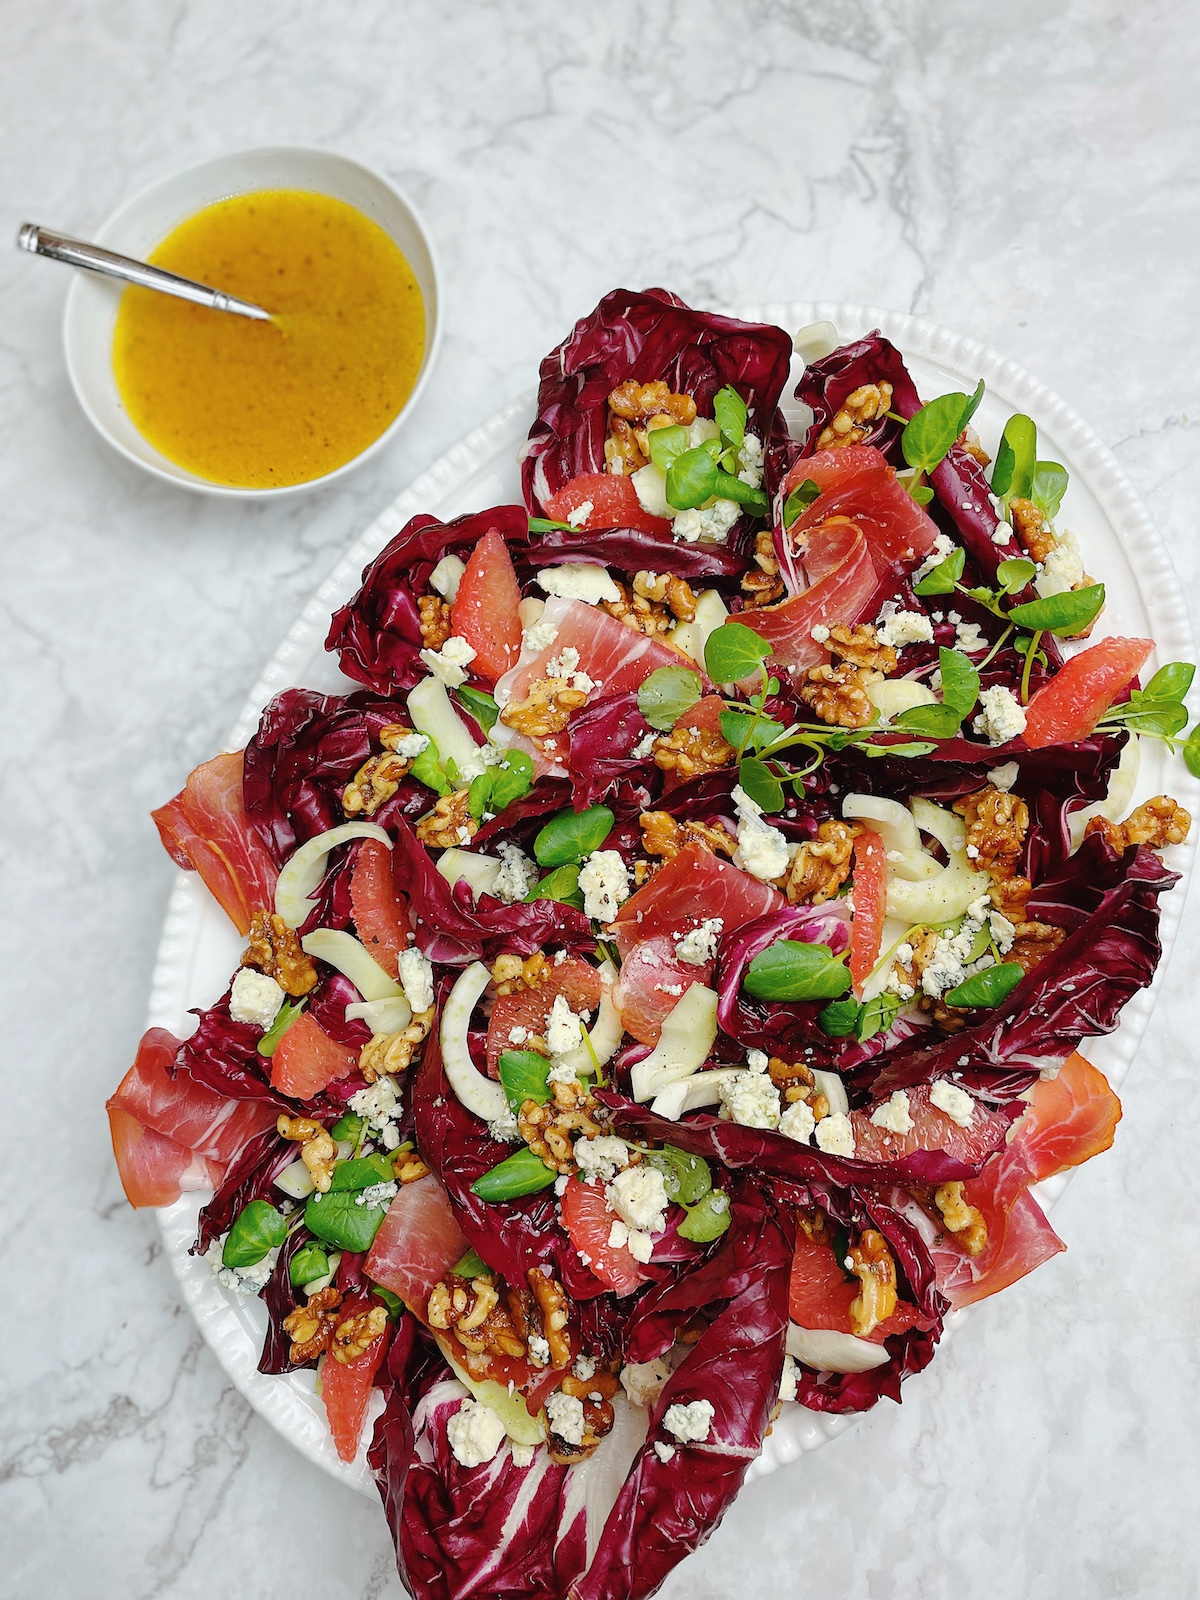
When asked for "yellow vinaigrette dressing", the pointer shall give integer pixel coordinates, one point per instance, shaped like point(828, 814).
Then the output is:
point(257, 405)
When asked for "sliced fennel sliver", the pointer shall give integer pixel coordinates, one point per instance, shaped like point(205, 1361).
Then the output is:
point(479, 870)
point(944, 895)
point(604, 1037)
point(689, 1031)
point(433, 714)
point(352, 959)
point(295, 1180)
point(891, 696)
point(520, 1427)
point(302, 872)
point(481, 1096)
point(381, 1016)
point(689, 1094)
point(888, 818)
point(830, 1351)
point(834, 1090)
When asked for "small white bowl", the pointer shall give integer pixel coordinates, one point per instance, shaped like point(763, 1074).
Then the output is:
point(144, 221)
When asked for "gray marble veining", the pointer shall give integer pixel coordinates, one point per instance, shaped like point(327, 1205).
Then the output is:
point(1024, 172)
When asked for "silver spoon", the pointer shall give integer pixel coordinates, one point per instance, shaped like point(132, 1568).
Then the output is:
point(76, 253)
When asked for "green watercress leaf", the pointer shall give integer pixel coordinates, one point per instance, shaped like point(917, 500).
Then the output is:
point(731, 487)
point(428, 769)
point(479, 795)
point(792, 970)
point(520, 1173)
point(744, 732)
point(510, 779)
point(708, 1219)
point(877, 1015)
point(348, 1126)
point(989, 987)
point(562, 884)
point(544, 525)
point(479, 705)
point(1140, 714)
point(938, 721)
point(361, 1173)
point(729, 410)
point(1012, 575)
point(960, 681)
point(667, 444)
point(1191, 752)
point(1048, 487)
point(1171, 682)
point(1012, 474)
point(839, 1018)
point(571, 835)
point(686, 1177)
point(286, 1015)
point(761, 784)
point(921, 493)
point(799, 501)
point(256, 1230)
point(523, 1075)
point(470, 1265)
point(929, 434)
point(908, 750)
point(667, 694)
point(942, 578)
point(338, 1218)
point(309, 1262)
point(1063, 613)
point(733, 651)
point(692, 476)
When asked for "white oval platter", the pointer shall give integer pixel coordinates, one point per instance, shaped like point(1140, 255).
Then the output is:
point(199, 948)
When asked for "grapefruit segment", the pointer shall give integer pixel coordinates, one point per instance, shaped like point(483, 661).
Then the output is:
point(346, 1385)
point(651, 983)
point(588, 1222)
point(1067, 709)
point(820, 1294)
point(380, 914)
point(485, 608)
point(931, 1130)
point(870, 901)
point(613, 503)
point(530, 1009)
point(307, 1060)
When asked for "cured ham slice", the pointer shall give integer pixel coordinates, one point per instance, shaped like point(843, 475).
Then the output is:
point(205, 829)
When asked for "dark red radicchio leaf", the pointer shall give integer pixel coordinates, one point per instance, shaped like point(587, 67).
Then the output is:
point(603, 737)
point(281, 1297)
point(962, 491)
point(307, 749)
point(647, 337)
point(453, 928)
point(667, 1509)
point(250, 1177)
point(1109, 905)
point(377, 633)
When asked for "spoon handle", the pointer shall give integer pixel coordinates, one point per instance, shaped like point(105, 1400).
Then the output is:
point(77, 253)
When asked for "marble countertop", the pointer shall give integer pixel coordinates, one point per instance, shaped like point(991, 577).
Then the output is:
point(1022, 172)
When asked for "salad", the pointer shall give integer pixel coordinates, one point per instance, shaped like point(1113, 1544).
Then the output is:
point(665, 974)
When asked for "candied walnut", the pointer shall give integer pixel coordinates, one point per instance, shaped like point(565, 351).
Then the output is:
point(311, 1326)
point(970, 441)
point(598, 1419)
point(692, 752)
point(838, 695)
point(355, 1334)
point(851, 424)
point(317, 1150)
point(479, 1321)
point(600, 1386)
point(860, 646)
point(377, 779)
point(512, 972)
point(275, 949)
point(449, 823)
point(388, 1053)
point(1032, 941)
point(554, 1310)
point(663, 835)
point(996, 827)
point(1034, 534)
point(1158, 823)
point(638, 402)
point(434, 615)
point(408, 1167)
point(546, 709)
point(821, 865)
point(547, 1129)
point(662, 588)
point(795, 1082)
point(871, 1263)
point(761, 584)
point(815, 1225)
point(1009, 896)
point(962, 1219)
point(950, 1019)
point(622, 453)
